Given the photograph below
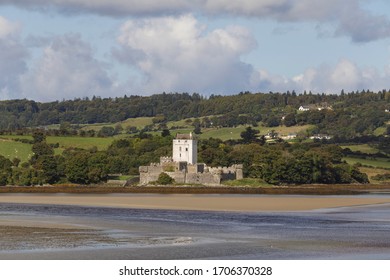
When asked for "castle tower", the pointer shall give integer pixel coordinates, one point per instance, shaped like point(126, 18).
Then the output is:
point(185, 148)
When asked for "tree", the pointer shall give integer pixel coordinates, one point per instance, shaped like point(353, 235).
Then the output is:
point(40, 149)
point(196, 124)
point(131, 129)
point(289, 120)
point(65, 128)
point(38, 136)
point(272, 121)
point(165, 132)
point(197, 129)
point(106, 131)
point(249, 135)
point(76, 169)
point(47, 164)
point(5, 170)
point(118, 129)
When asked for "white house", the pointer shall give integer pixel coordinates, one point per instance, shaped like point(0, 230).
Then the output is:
point(304, 108)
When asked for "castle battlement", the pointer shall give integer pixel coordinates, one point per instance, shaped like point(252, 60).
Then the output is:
point(166, 160)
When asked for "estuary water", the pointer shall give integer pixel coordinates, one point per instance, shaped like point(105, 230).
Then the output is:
point(30, 231)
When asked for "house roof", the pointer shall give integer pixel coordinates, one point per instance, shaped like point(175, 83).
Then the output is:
point(184, 136)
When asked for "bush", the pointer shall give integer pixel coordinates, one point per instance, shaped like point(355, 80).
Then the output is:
point(3, 179)
point(164, 179)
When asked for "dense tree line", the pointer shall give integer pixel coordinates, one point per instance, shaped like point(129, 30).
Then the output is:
point(352, 114)
point(277, 163)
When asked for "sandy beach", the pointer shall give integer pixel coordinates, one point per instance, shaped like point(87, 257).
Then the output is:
point(247, 203)
point(152, 226)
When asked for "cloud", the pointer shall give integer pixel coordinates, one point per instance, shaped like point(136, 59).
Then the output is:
point(348, 16)
point(67, 69)
point(13, 56)
point(7, 27)
point(107, 7)
point(177, 54)
point(363, 27)
point(344, 75)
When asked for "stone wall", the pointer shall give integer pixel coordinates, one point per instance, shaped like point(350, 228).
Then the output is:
point(179, 177)
point(203, 178)
point(149, 173)
point(184, 173)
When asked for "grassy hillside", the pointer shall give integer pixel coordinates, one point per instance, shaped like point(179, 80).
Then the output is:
point(376, 163)
point(137, 122)
point(81, 142)
point(227, 133)
point(364, 148)
point(11, 149)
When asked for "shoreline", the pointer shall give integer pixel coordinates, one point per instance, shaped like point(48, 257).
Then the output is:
point(203, 202)
point(178, 189)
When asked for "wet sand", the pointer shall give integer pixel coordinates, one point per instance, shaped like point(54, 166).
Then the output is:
point(245, 203)
point(45, 231)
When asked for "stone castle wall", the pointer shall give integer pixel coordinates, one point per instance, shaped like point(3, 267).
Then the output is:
point(184, 173)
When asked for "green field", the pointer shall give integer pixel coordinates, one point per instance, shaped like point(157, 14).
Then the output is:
point(381, 130)
point(11, 149)
point(81, 142)
point(364, 148)
point(137, 122)
point(224, 133)
point(378, 163)
point(227, 133)
point(69, 141)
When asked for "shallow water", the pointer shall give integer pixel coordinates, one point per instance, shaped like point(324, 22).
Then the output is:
point(69, 232)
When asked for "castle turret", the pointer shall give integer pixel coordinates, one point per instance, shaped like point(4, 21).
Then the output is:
point(185, 148)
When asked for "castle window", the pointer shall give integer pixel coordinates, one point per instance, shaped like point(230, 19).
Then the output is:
point(186, 149)
point(180, 149)
point(180, 155)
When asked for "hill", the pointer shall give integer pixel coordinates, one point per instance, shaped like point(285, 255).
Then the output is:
point(336, 138)
point(346, 115)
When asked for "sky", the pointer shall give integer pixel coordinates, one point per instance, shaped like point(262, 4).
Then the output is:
point(65, 49)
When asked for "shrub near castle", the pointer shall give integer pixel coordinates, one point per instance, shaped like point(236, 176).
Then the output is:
point(164, 179)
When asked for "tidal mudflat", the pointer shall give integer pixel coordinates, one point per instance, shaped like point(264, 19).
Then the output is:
point(346, 227)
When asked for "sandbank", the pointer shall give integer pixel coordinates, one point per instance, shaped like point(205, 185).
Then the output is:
point(247, 203)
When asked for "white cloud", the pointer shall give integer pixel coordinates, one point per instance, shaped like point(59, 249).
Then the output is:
point(13, 57)
point(7, 27)
point(349, 17)
point(67, 69)
point(344, 75)
point(177, 54)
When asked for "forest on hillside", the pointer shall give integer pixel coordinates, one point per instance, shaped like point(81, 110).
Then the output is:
point(351, 114)
point(350, 118)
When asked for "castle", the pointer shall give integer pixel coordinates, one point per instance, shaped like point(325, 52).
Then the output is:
point(183, 166)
